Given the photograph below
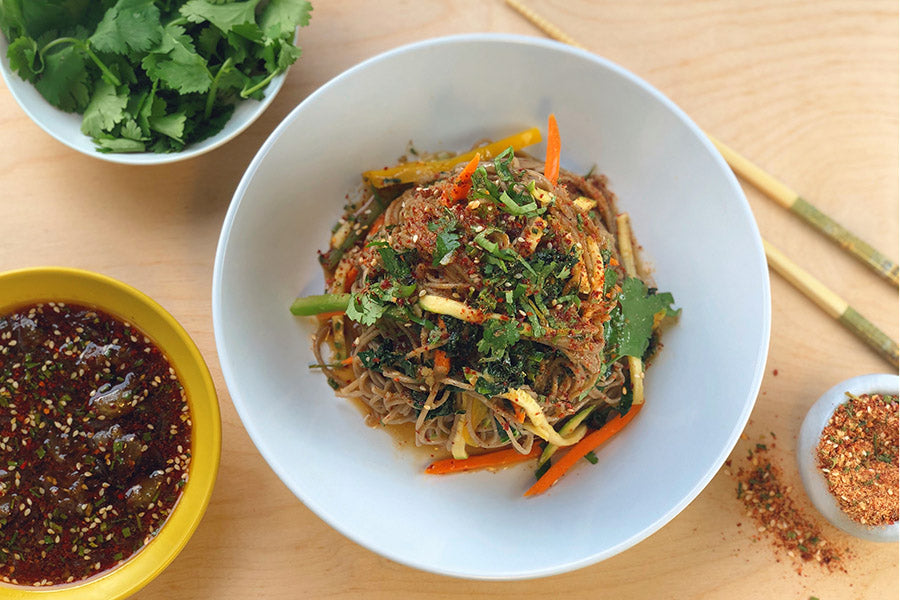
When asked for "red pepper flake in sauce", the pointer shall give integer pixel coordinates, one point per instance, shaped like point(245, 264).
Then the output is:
point(857, 453)
point(95, 436)
point(770, 504)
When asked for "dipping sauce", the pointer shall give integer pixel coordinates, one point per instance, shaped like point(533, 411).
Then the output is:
point(857, 453)
point(95, 439)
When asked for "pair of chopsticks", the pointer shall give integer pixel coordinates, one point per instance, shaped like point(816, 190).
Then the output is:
point(827, 300)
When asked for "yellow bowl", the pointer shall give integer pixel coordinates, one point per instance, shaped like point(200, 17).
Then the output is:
point(120, 300)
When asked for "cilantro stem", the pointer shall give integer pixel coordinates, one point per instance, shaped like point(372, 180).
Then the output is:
point(85, 47)
point(246, 93)
point(214, 87)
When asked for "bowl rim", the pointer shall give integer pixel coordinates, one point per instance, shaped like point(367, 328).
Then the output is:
point(505, 38)
point(814, 481)
point(13, 82)
point(133, 574)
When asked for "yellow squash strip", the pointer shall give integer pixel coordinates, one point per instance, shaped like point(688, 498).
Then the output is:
point(584, 203)
point(635, 366)
point(452, 308)
point(541, 427)
point(458, 446)
point(543, 196)
point(462, 311)
point(417, 172)
point(565, 431)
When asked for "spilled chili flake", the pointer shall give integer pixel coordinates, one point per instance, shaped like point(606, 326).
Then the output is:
point(769, 502)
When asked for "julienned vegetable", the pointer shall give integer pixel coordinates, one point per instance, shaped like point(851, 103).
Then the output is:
point(495, 304)
point(151, 75)
point(587, 444)
point(414, 172)
point(490, 460)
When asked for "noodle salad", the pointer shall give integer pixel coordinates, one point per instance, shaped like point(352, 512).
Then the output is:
point(494, 301)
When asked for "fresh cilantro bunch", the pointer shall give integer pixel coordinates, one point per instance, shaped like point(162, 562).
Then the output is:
point(151, 75)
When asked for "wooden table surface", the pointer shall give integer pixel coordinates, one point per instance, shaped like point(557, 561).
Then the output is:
point(808, 90)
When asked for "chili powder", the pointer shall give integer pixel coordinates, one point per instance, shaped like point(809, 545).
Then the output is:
point(857, 453)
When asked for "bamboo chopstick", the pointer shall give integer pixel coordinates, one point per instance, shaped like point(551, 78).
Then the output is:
point(793, 202)
point(766, 183)
point(831, 303)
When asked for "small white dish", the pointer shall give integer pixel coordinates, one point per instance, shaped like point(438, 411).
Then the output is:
point(66, 127)
point(813, 480)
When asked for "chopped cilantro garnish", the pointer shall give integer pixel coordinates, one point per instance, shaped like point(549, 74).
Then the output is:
point(445, 244)
point(515, 199)
point(392, 262)
point(365, 308)
point(498, 335)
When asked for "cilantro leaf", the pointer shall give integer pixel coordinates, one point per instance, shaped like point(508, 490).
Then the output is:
point(498, 335)
point(119, 145)
point(392, 263)
point(129, 26)
point(171, 125)
point(288, 54)
point(25, 59)
point(176, 63)
point(225, 17)
point(12, 19)
point(365, 309)
point(281, 17)
point(631, 323)
point(445, 244)
point(105, 110)
point(65, 81)
point(132, 131)
point(369, 310)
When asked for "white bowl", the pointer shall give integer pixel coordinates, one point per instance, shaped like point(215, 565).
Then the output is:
point(689, 214)
point(66, 127)
point(814, 480)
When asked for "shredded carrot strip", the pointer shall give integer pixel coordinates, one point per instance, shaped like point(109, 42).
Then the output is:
point(501, 458)
point(520, 413)
point(441, 361)
point(460, 188)
point(347, 361)
point(376, 225)
point(590, 442)
point(352, 272)
point(551, 164)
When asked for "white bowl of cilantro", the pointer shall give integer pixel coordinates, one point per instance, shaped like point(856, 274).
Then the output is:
point(129, 82)
point(689, 217)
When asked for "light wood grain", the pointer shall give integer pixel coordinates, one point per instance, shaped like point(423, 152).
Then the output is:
point(807, 90)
